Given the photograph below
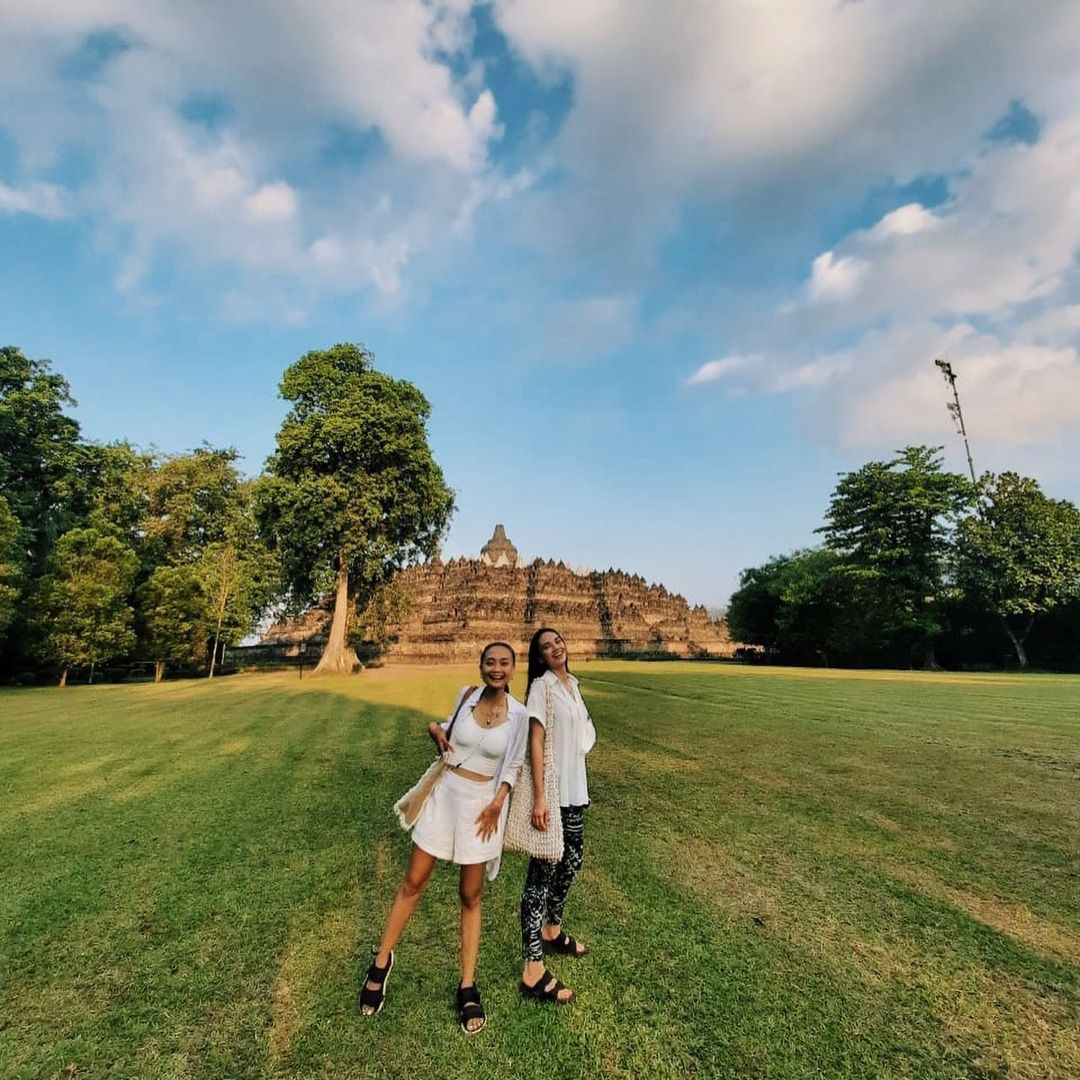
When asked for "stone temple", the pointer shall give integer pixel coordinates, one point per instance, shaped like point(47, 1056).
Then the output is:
point(498, 551)
point(458, 606)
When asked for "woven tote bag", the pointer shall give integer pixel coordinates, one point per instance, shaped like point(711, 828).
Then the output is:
point(410, 804)
point(521, 835)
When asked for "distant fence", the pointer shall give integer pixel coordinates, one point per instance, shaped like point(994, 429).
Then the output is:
point(272, 655)
point(132, 671)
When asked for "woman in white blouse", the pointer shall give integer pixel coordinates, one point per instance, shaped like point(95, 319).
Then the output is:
point(462, 821)
point(555, 709)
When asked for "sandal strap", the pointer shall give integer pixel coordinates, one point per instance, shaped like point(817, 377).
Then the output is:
point(540, 989)
point(378, 974)
point(469, 1006)
point(564, 944)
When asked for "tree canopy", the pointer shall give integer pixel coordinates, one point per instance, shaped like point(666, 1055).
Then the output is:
point(40, 450)
point(12, 556)
point(82, 611)
point(1019, 554)
point(891, 523)
point(352, 492)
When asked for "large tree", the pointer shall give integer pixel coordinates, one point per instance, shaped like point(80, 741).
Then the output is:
point(40, 451)
point(190, 502)
point(798, 607)
point(112, 489)
point(175, 615)
point(1019, 554)
point(239, 577)
point(81, 605)
point(352, 493)
point(891, 522)
point(12, 556)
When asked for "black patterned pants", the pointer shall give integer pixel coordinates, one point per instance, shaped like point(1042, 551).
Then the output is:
point(548, 883)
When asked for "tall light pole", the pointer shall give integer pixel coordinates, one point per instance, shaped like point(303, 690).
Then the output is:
point(955, 413)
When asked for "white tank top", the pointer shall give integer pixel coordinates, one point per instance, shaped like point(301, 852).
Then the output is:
point(476, 748)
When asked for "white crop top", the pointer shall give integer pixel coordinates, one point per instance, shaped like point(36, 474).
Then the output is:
point(476, 748)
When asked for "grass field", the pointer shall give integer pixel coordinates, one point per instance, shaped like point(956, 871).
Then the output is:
point(788, 874)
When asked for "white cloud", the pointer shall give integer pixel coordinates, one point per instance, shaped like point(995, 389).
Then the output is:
point(761, 114)
point(112, 82)
point(780, 107)
point(1008, 235)
point(272, 201)
point(712, 370)
point(906, 221)
point(986, 280)
point(38, 199)
point(1013, 394)
point(833, 278)
point(1055, 326)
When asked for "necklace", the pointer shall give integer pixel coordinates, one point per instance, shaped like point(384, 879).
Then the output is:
point(492, 713)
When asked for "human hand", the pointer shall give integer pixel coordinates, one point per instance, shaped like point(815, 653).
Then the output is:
point(540, 814)
point(488, 820)
point(442, 743)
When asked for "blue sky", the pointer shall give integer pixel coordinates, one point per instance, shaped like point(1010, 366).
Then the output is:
point(662, 270)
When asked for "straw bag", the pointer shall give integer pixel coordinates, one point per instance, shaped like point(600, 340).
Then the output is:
point(410, 804)
point(521, 834)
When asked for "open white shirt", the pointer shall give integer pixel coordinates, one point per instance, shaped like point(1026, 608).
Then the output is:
point(574, 733)
point(510, 760)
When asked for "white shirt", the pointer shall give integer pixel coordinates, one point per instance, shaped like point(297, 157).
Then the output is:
point(574, 732)
point(477, 748)
point(513, 753)
point(513, 756)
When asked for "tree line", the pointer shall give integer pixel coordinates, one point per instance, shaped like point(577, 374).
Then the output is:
point(919, 566)
point(110, 554)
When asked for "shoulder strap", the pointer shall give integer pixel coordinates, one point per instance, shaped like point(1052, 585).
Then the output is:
point(464, 697)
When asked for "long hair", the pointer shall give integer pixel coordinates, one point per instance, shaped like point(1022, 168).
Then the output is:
point(537, 663)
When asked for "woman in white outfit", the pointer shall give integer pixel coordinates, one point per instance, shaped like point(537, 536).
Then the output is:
point(462, 821)
point(556, 711)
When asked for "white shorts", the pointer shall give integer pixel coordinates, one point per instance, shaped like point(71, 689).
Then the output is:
point(446, 827)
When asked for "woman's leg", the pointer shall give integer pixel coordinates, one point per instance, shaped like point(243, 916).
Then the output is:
point(573, 826)
point(533, 904)
point(471, 890)
point(408, 896)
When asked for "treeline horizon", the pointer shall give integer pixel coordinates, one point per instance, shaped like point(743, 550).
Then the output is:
point(921, 567)
point(112, 555)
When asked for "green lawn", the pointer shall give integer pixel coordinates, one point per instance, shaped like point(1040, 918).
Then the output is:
point(788, 874)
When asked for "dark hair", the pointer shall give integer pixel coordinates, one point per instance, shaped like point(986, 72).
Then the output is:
point(537, 663)
point(495, 645)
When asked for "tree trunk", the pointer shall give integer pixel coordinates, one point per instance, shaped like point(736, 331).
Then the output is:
point(214, 651)
point(159, 670)
point(337, 657)
point(91, 673)
point(63, 677)
point(1018, 641)
point(930, 657)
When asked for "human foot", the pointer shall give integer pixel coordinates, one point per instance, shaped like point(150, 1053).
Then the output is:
point(470, 1010)
point(543, 986)
point(373, 992)
point(558, 941)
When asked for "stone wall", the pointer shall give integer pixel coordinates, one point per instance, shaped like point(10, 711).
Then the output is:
point(460, 605)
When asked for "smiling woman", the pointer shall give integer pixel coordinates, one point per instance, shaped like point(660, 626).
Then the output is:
point(458, 813)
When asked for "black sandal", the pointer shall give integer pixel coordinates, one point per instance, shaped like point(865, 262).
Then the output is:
point(373, 999)
point(564, 945)
point(541, 991)
point(469, 1008)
